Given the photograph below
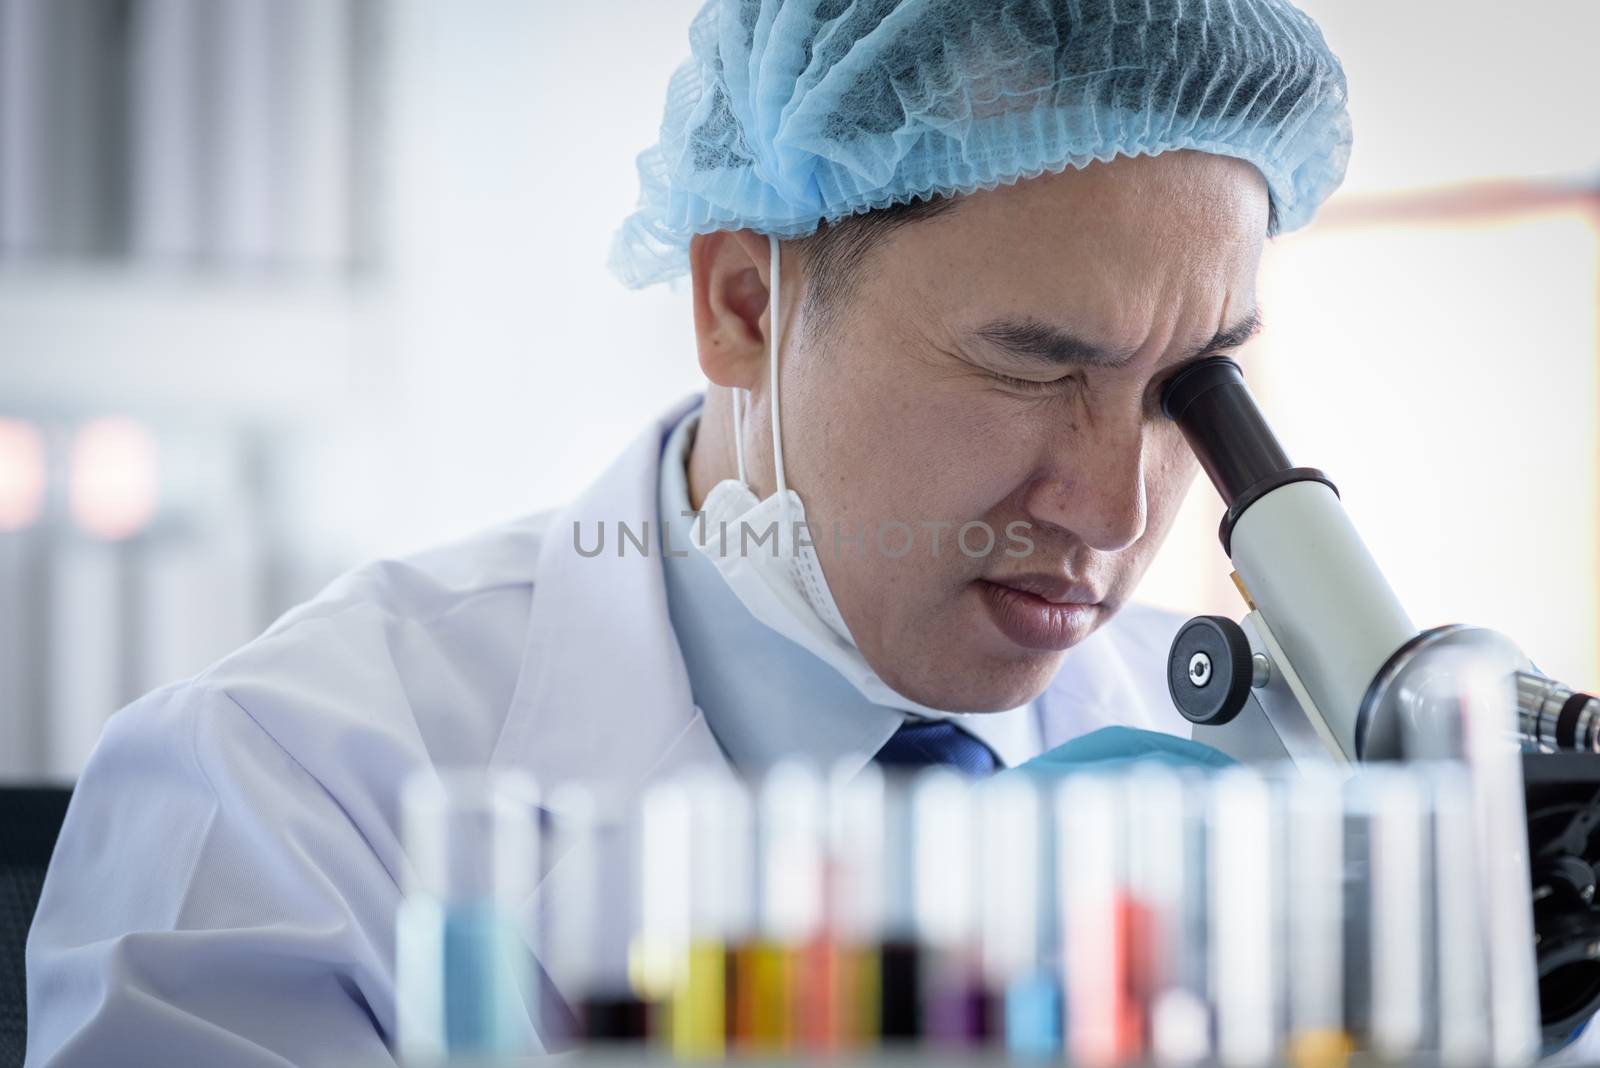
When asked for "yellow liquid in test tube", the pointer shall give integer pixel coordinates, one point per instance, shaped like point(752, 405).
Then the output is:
point(766, 998)
point(1319, 1049)
point(858, 990)
point(699, 1006)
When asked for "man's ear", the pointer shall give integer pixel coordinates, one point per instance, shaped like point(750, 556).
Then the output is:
point(731, 298)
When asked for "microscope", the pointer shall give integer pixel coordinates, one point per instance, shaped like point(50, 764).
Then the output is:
point(1326, 667)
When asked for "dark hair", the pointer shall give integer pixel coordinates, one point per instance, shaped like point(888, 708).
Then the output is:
point(837, 252)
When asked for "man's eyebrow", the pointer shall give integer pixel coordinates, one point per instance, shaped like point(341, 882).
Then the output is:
point(1031, 339)
point(1231, 337)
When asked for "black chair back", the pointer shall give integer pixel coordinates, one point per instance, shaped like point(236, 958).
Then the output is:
point(30, 820)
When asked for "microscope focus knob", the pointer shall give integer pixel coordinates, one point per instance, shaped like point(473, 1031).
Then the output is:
point(1209, 670)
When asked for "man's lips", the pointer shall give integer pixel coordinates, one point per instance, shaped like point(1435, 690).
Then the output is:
point(1043, 612)
point(1052, 588)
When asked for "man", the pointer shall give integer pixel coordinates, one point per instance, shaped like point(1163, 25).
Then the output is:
point(944, 256)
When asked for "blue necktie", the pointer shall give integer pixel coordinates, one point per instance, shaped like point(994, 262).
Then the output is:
point(923, 744)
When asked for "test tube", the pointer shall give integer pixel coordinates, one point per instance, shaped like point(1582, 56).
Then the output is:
point(592, 881)
point(1165, 885)
point(955, 1010)
point(719, 905)
point(784, 981)
point(857, 889)
point(1014, 916)
point(1189, 1034)
point(1462, 958)
point(657, 963)
point(1460, 701)
point(1398, 922)
point(901, 959)
point(1244, 907)
point(1314, 851)
point(463, 970)
point(1487, 700)
point(1094, 922)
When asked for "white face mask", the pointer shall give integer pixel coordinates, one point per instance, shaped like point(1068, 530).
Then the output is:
point(785, 589)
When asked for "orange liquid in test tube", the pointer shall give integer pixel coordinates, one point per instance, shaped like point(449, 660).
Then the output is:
point(1137, 946)
point(816, 999)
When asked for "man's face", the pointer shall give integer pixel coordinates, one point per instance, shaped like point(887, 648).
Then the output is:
point(943, 396)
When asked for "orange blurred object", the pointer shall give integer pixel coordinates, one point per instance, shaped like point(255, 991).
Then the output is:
point(1141, 972)
point(818, 1016)
point(22, 475)
point(113, 478)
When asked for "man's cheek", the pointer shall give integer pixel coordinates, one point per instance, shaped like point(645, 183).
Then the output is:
point(1167, 482)
point(1163, 515)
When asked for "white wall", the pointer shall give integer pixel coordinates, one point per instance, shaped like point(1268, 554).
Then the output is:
point(519, 365)
point(1446, 91)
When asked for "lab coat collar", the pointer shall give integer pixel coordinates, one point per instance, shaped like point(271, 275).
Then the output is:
point(602, 696)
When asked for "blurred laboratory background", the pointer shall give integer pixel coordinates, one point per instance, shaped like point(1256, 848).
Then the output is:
point(290, 284)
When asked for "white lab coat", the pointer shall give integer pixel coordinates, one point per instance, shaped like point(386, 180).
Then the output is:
point(225, 886)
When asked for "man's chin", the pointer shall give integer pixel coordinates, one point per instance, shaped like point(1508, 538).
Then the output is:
point(986, 686)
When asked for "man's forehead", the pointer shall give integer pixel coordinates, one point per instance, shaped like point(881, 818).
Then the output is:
point(1116, 309)
point(1096, 267)
point(1086, 290)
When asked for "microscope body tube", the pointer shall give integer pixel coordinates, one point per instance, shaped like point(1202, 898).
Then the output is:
point(1322, 596)
point(1303, 565)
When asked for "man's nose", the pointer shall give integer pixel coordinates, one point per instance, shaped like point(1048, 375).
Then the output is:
point(1093, 488)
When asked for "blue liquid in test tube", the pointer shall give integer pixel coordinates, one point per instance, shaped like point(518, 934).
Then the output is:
point(464, 969)
point(469, 972)
point(1016, 925)
point(1033, 1018)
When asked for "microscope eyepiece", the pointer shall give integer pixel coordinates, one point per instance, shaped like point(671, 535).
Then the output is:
point(1231, 438)
point(1194, 380)
point(1213, 407)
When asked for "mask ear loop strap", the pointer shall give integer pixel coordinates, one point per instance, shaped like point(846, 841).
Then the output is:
point(739, 398)
point(777, 430)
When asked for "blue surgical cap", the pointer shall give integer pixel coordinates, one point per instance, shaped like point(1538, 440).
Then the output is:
point(790, 113)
